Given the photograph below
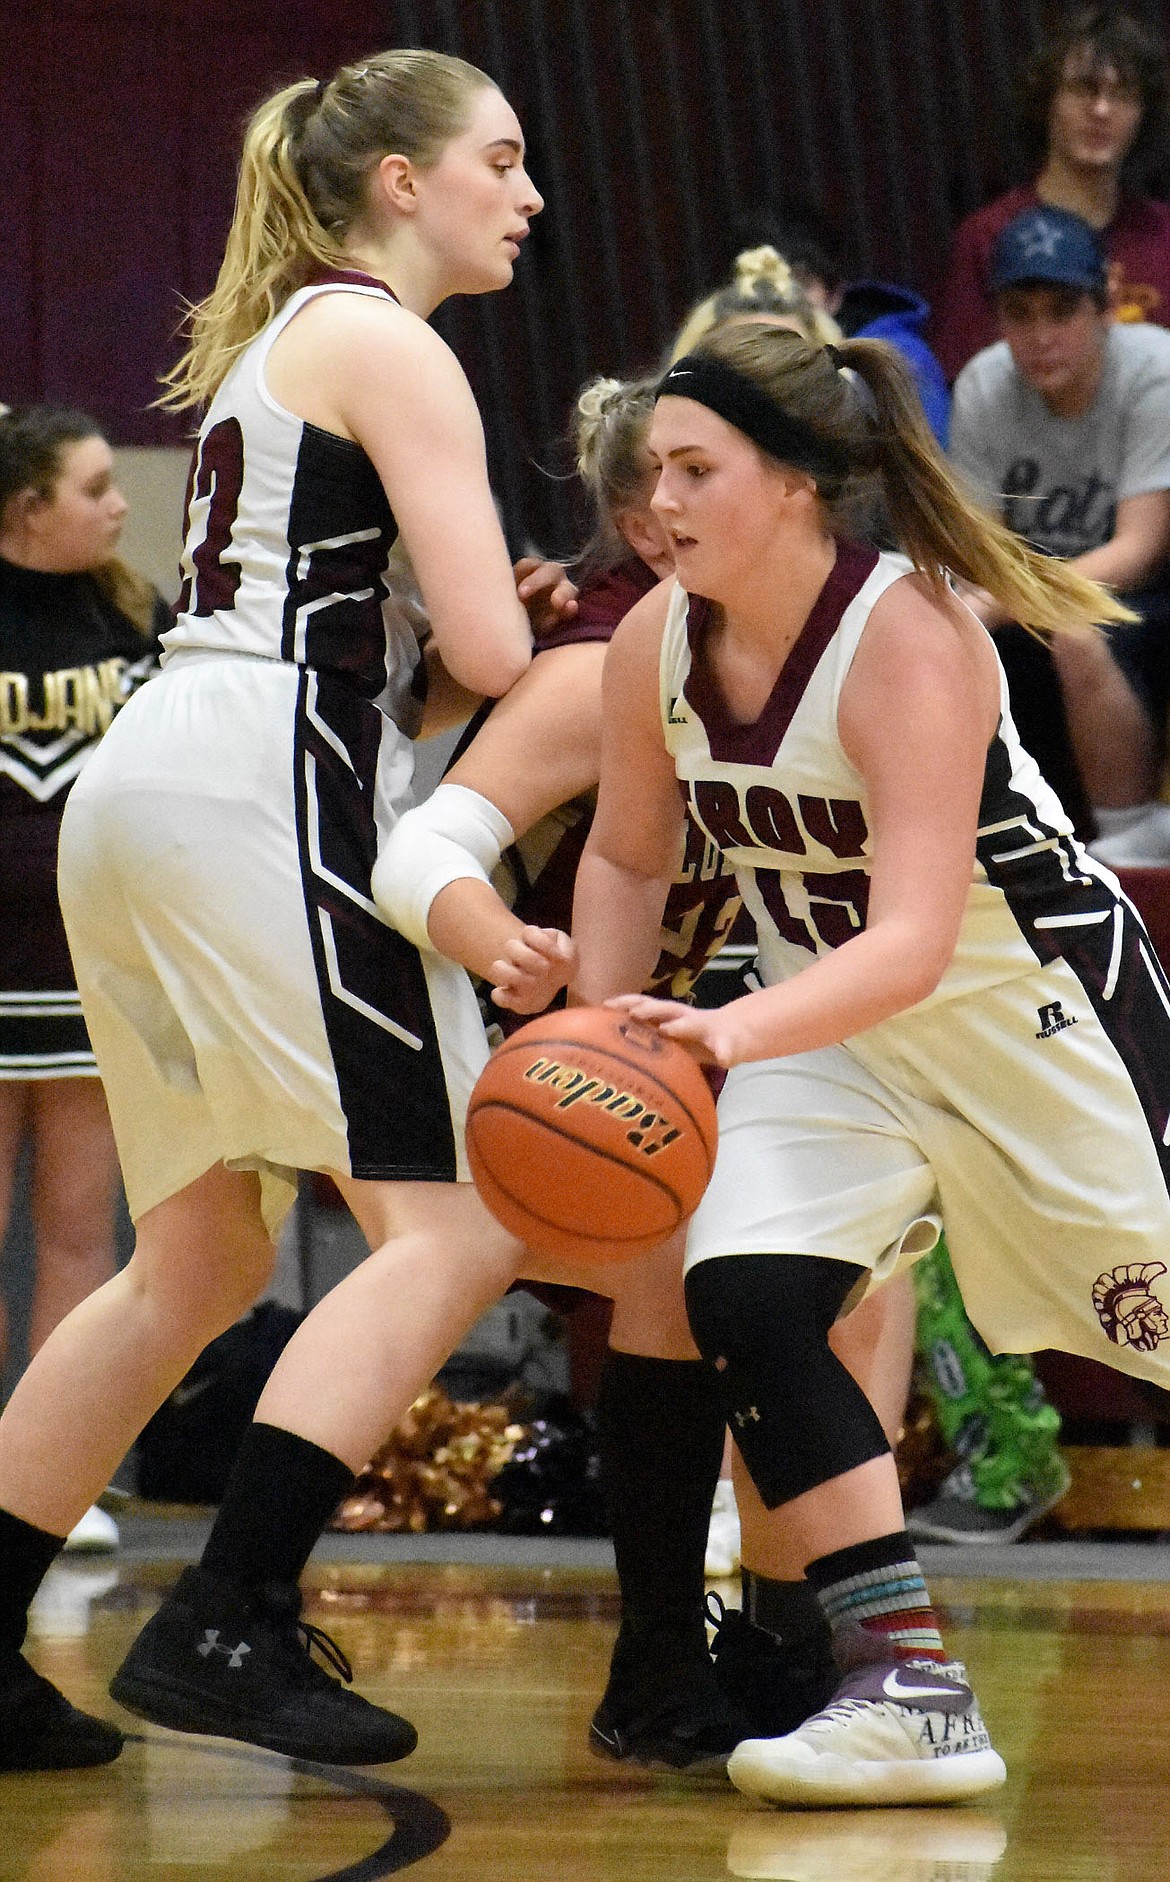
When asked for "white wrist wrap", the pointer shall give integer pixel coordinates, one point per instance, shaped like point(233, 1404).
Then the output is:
point(456, 833)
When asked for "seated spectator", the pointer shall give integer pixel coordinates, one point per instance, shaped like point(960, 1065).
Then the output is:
point(1064, 426)
point(863, 310)
point(1094, 123)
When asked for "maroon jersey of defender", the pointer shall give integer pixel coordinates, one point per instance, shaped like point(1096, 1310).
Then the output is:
point(537, 873)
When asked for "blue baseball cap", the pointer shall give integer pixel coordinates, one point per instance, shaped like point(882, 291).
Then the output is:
point(1052, 246)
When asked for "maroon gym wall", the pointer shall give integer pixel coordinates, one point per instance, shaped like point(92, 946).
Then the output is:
point(652, 124)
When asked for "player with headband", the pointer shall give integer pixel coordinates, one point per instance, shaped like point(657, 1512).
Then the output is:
point(962, 1016)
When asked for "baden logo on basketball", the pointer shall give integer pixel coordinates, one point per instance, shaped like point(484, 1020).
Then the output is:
point(591, 1136)
point(576, 1086)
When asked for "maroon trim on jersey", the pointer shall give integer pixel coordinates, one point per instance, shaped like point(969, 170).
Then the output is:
point(602, 602)
point(349, 278)
point(757, 741)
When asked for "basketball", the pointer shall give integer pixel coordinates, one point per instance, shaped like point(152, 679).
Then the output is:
point(590, 1136)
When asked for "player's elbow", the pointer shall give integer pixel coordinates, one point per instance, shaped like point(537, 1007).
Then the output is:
point(491, 669)
point(915, 956)
point(924, 966)
point(920, 985)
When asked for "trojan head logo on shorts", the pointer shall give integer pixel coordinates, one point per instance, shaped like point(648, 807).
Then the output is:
point(1128, 1308)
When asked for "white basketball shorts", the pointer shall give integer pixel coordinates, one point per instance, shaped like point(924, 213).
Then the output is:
point(1020, 1117)
point(246, 1000)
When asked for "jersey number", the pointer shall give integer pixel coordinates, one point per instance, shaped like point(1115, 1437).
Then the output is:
point(837, 907)
point(211, 586)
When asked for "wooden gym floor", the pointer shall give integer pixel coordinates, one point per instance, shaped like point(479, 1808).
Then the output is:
point(497, 1650)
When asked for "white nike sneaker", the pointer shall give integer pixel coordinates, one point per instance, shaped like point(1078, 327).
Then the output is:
point(894, 1732)
point(723, 1534)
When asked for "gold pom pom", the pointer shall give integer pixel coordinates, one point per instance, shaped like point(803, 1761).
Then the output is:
point(434, 1470)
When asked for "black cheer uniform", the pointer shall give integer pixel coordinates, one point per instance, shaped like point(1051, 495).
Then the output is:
point(68, 659)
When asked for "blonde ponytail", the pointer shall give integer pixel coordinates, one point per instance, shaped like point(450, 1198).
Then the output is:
point(273, 242)
point(304, 174)
point(879, 430)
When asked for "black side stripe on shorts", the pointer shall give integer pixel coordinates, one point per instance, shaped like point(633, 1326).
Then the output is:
point(373, 990)
point(1065, 910)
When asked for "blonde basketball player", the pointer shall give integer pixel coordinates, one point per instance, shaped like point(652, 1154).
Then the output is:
point(251, 1012)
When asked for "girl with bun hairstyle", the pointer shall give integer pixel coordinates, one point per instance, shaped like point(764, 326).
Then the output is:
point(762, 285)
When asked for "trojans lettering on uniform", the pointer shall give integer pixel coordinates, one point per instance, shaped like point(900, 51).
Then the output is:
point(82, 698)
point(764, 818)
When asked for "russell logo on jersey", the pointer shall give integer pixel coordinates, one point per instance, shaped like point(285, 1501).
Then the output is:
point(1053, 1019)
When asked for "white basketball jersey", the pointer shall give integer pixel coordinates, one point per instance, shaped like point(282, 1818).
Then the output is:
point(287, 537)
point(782, 801)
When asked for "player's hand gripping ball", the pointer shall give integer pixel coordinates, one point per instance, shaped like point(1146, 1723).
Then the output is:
point(591, 1136)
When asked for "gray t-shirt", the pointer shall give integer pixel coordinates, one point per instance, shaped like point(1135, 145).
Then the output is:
point(1058, 481)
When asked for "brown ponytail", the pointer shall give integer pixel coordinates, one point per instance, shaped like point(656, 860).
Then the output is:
point(880, 429)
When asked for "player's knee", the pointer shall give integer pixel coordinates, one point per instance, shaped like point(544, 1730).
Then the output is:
point(777, 1305)
point(763, 1322)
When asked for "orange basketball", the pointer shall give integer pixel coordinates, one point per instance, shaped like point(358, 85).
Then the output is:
point(591, 1136)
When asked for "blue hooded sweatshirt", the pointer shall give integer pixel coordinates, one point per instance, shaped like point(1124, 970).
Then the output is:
point(874, 310)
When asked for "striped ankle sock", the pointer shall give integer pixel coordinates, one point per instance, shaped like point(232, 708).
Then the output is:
point(878, 1586)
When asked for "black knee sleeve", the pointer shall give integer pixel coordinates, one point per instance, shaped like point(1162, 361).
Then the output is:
point(797, 1415)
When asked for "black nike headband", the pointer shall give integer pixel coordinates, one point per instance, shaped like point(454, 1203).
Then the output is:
point(735, 398)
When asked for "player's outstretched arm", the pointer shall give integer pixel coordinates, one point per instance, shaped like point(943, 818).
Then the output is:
point(539, 747)
point(636, 843)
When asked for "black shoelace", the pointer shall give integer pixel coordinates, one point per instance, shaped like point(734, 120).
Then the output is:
point(716, 1608)
point(327, 1647)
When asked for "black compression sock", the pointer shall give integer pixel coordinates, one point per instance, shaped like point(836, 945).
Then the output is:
point(25, 1556)
point(282, 1491)
point(660, 1427)
point(788, 1610)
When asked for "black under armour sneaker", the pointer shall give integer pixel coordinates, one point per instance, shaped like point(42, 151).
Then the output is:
point(663, 1708)
point(776, 1688)
point(41, 1731)
point(237, 1663)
